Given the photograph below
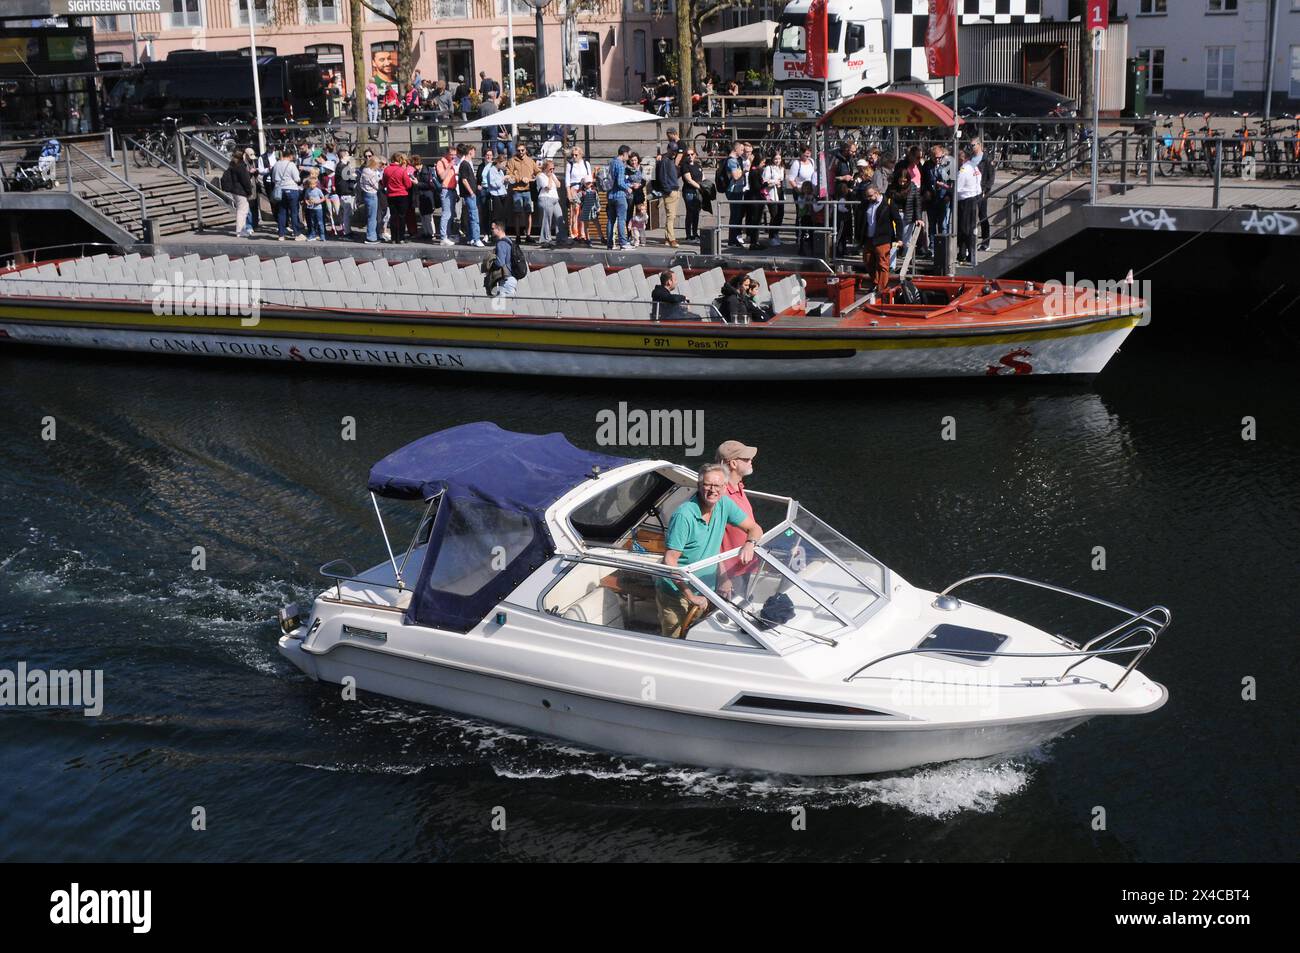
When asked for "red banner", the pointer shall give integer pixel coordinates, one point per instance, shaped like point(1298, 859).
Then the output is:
point(941, 39)
point(1098, 14)
point(818, 36)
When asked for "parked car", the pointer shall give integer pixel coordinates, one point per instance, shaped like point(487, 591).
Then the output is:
point(1010, 99)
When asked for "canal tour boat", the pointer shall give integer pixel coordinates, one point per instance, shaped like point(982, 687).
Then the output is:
point(565, 320)
point(528, 596)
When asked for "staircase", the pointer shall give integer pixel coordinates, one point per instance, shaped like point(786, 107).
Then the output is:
point(122, 195)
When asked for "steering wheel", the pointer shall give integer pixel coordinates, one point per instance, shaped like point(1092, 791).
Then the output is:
point(692, 614)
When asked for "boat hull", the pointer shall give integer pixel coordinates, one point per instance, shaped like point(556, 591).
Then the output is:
point(667, 735)
point(1076, 349)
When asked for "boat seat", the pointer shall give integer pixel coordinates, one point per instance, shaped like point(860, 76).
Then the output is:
point(600, 606)
point(711, 283)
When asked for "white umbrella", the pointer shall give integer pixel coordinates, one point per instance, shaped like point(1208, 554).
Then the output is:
point(758, 34)
point(564, 107)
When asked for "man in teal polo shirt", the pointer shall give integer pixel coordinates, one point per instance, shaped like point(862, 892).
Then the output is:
point(695, 533)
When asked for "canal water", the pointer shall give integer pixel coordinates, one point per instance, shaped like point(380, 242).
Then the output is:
point(153, 458)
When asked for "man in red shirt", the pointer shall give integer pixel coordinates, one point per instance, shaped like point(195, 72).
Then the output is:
point(738, 460)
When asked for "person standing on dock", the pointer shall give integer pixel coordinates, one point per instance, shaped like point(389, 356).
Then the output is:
point(968, 198)
point(286, 190)
point(668, 176)
point(446, 170)
point(521, 173)
point(238, 184)
point(616, 201)
point(398, 182)
point(468, 195)
point(733, 177)
point(368, 185)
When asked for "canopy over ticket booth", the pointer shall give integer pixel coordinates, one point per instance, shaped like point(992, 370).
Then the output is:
point(888, 109)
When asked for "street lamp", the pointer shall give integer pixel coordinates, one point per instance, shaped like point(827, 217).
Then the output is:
point(257, 83)
point(538, 6)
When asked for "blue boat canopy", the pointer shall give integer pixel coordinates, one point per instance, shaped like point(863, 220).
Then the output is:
point(489, 533)
point(521, 470)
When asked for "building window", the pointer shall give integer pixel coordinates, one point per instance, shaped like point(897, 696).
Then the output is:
point(320, 11)
point(106, 24)
point(455, 58)
point(1152, 7)
point(1155, 61)
point(1220, 62)
point(450, 10)
point(521, 8)
point(655, 8)
point(1223, 6)
point(261, 8)
point(525, 63)
point(373, 17)
point(638, 53)
point(261, 51)
point(1294, 91)
point(185, 13)
point(105, 58)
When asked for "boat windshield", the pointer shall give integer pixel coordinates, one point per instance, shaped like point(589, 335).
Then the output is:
point(829, 584)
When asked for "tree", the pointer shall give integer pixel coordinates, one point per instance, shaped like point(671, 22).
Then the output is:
point(700, 11)
point(359, 77)
point(397, 12)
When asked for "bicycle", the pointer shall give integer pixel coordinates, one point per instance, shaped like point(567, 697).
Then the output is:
point(713, 142)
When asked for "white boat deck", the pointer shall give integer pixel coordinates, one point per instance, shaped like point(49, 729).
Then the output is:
point(404, 286)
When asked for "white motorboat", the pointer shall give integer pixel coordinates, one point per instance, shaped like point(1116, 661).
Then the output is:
point(527, 596)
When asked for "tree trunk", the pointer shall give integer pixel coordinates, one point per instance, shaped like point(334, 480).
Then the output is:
point(402, 8)
point(359, 69)
point(697, 53)
point(685, 66)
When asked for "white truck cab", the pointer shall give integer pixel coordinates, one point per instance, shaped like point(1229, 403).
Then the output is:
point(857, 56)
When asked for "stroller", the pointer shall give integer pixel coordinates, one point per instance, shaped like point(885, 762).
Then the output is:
point(36, 169)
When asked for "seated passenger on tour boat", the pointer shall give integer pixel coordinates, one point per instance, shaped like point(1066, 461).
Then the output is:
point(668, 305)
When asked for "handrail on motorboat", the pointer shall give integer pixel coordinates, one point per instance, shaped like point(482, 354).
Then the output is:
point(1152, 622)
point(352, 576)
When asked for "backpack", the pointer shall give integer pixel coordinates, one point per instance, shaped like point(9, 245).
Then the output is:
point(721, 180)
point(518, 263)
point(228, 181)
point(603, 180)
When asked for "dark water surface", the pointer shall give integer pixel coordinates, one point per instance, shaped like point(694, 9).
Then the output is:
point(153, 458)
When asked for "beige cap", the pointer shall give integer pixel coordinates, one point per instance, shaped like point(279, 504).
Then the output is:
point(732, 449)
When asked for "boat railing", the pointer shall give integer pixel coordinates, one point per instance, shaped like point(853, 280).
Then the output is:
point(1135, 635)
point(39, 253)
point(341, 571)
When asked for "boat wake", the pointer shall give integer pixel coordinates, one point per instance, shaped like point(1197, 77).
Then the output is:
point(936, 792)
point(234, 615)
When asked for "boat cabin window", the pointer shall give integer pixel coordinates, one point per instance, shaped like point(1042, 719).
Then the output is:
point(479, 541)
point(628, 600)
point(612, 515)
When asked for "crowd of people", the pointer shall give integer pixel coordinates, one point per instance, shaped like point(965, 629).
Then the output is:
point(442, 99)
point(871, 204)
